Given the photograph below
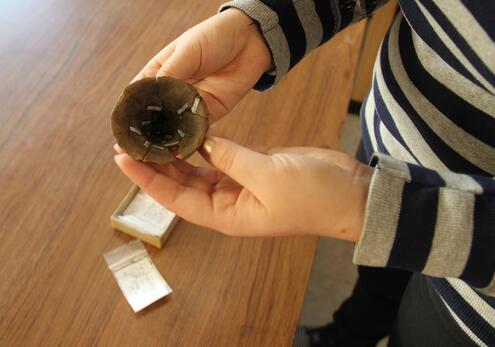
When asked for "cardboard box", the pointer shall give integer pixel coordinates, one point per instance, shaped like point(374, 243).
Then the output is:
point(142, 217)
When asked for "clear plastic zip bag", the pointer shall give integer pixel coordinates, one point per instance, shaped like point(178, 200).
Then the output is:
point(137, 276)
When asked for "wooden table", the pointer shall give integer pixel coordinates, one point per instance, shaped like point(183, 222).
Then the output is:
point(62, 65)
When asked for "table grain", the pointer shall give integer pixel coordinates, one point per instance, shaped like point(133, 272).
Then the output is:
point(62, 65)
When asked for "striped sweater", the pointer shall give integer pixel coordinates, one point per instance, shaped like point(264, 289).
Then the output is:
point(429, 128)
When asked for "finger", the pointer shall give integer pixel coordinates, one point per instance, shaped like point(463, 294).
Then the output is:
point(189, 180)
point(180, 164)
point(211, 176)
point(208, 174)
point(294, 150)
point(313, 152)
point(149, 70)
point(259, 148)
point(118, 149)
point(214, 131)
point(182, 63)
point(216, 107)
point(337, 158)
point(192, 204)
point(153, 66)
point(226, 182)
point(185, 167)
point(240, 163)
point(182, 172)
point(241, 211)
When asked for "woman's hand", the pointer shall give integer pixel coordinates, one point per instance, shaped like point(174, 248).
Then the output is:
point(291, 191)
point(223, 57)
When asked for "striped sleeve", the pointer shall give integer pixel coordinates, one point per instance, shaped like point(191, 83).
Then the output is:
point(293, 28)
point(440, 224)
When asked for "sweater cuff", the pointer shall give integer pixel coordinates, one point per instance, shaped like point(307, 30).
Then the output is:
point(271, 30)
point(382, 212)
point(422, 220)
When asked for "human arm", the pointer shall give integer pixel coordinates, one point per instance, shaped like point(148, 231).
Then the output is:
point(294, 28)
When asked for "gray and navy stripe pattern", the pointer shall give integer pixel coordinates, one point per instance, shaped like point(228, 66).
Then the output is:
point(292, 29)
point(429, 128)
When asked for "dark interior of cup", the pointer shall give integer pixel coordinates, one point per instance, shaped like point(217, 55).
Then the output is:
point(160, 127)
point(160, 119)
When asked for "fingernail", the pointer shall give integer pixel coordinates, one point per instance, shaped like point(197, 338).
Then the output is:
point(115, 147)
point(208, 145)
point(118, 157)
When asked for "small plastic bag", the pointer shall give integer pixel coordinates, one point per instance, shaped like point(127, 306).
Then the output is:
point(137, 276)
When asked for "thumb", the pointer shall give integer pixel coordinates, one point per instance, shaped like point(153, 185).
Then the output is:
point(183, 63)
point(243, 165)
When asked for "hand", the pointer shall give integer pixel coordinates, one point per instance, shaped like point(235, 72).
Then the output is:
point(223, 57)
point(291, 191)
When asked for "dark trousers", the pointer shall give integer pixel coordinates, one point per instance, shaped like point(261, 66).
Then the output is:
point(369, 314)
point(423, 319)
